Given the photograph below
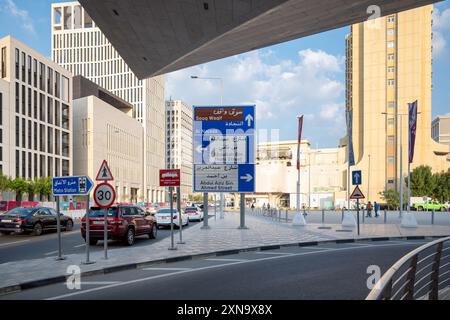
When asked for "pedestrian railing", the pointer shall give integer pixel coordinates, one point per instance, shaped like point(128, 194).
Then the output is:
point(420, 274)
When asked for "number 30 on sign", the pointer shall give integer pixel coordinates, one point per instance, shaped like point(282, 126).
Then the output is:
point(104, 195)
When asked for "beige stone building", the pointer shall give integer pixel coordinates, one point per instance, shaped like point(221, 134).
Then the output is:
point(321, 175)
point(80, 46)
point(104, 129)
point(179, 143)
point(35, 115)
point(389, 64)
point(440, 130)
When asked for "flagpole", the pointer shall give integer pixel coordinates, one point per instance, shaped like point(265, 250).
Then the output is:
point(299, 219)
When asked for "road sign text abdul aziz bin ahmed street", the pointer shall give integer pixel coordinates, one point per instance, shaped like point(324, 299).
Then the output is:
point(224, 148)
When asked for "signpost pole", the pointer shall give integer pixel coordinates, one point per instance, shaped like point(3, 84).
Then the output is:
point(242, 209)
point(205, 211)
point(87, 232)
point(172, 245)
point(179, 214)
point(58, 228)
point(357, 213)
point(215, 206)
point(105, 234)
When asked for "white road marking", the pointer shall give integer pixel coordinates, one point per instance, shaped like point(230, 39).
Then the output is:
point(50, 253)
point(80, 245)
point(225, 260)
point(91, 283)
point(207, 268)
point(275, 253)
point(11, 243)
point(168, 269)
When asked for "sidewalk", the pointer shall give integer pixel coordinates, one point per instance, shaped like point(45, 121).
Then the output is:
point(223, 237)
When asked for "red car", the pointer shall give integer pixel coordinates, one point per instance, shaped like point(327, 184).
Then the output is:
point(125, 222)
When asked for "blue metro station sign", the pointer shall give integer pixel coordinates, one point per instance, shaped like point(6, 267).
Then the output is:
point(224, 148)
point(71, 186)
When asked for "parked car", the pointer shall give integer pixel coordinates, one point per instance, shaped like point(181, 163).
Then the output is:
point(429, 205)
point(163, 218)
point(32, 220)
point(194, 213)
point(125, 223)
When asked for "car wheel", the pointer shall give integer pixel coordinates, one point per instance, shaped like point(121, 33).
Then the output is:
point(37, 229)
point(153, 232)
point(93, 242)
point(129, 238)
point(69, 225)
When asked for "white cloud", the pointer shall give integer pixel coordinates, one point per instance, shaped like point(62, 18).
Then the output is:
point(441, 23)
point(279, 88)
point(10, 7)
point(330, 111)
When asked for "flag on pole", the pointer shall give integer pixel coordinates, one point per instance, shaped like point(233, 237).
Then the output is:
point(351, 154)
point(300, 127)
point(412, 129)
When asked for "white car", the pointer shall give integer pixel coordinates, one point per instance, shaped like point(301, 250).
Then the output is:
point(194, 213)
point(163, 218)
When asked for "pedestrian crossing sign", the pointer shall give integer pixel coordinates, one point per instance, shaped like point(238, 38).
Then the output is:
point(104, 174)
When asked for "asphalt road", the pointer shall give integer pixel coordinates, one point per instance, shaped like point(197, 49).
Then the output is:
point(24, 247)
point(329, 271)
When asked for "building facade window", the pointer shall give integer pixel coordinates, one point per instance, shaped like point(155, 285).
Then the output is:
point(391, 44)
point(17, 57)
point(391, 82)
point(3, 62)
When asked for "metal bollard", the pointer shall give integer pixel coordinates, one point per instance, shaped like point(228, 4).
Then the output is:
point(363, 215)
point(323, 215)
point(385, 216)
point(286, 215)
point(432, 217)
point(342, 218)
point(279, 215)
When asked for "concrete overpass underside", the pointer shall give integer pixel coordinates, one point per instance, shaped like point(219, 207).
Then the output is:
point(159, 36)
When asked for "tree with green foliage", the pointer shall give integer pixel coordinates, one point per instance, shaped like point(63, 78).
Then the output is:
point(441, 191)
point(19, 186)
point(5, 184)
point(392, 198)
point(423, 182)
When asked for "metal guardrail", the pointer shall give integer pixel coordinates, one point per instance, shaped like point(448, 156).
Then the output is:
point(420, 274)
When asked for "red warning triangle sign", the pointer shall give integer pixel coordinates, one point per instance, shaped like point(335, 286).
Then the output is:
point(104, 174)
point(357, 194)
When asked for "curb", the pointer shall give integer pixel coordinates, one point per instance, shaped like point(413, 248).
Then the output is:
point(131, 266)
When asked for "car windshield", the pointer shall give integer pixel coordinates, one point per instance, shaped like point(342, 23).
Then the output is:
point(96, 212)
point(21, 212)
point(167, 211)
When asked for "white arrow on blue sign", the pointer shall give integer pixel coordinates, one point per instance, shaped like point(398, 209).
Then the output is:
point(356, 177)
point(71, 186)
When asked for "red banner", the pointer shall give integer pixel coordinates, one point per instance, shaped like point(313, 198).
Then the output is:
point(300, 127)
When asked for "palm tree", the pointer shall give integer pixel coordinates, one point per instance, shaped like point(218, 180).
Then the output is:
point(19, 186)
point(5, 184)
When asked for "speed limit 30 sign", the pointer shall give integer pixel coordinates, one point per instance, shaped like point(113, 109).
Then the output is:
point(104, 195)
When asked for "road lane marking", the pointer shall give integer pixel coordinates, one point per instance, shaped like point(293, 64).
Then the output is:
point(225, 260)
point(50, 253)
point(275, 253)
point(164, 269)
point(11, 243)
point(80, 245)
point(165, 275)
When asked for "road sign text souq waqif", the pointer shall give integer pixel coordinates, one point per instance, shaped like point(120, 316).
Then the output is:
point(224, 148)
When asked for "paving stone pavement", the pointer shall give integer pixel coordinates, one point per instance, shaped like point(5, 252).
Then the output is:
point(223, 235)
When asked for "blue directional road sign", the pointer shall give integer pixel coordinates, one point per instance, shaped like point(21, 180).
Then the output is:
point(356, 177)
point(71, 186)
point(224, 148)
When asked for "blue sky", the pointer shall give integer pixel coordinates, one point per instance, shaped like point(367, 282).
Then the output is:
point(304, 76)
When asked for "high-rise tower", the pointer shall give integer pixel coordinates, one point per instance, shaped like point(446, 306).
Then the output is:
point(389, 64)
